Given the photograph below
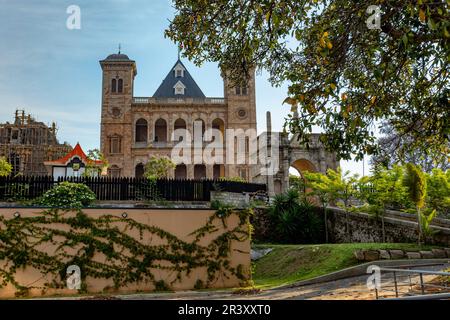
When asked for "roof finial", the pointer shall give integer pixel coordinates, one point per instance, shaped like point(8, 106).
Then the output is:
point(120, 47)
point(179, 51)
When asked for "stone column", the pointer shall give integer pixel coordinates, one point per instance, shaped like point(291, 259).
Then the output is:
point(209, 171)
point(270, 178)
point(190, 171)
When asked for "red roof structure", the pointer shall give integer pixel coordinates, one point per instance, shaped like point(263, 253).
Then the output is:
point(76, 152)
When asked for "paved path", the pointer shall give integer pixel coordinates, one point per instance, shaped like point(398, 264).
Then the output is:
point(353, 288)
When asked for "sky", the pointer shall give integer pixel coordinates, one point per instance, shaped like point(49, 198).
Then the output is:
point(53, 72)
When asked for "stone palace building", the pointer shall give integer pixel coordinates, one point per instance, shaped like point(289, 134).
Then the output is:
point(135, 128)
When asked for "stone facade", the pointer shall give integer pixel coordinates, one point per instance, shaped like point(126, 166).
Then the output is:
point(27, 144)
point(135, 128)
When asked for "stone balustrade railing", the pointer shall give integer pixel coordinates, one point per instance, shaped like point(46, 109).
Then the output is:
point(152, 100)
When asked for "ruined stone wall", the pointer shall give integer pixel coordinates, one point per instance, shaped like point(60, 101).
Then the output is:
point(365, 228)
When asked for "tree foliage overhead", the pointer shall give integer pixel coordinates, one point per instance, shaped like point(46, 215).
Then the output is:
point(343, 76)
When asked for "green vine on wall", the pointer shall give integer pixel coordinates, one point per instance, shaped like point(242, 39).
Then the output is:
point(79, 240)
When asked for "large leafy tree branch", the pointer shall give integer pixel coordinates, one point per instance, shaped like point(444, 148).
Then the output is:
point(343, 76)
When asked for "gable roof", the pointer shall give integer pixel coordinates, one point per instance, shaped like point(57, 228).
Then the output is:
point(166, 89)
point(76, 152)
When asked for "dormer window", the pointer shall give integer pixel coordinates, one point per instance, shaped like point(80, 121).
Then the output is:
point(179, 88)
point(179, 71)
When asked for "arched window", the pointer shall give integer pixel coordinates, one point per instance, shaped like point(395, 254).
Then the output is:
point(218, 171)
point(218, 124)
point(199, 171)
point(113, 85)
point(161, 130)
point(141, 130)
point(139, 171)
point(181, 171)
point(241, 90)
point(180, 124)
point(120, 86)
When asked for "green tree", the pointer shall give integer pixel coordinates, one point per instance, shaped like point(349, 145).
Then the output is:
point(342, 190)
point(93, 169)
point(343, 75)
point(416, 184)
point(385, 190)
point(158, 167)
point(320, 186)
point(5, 167)
point(438, 191)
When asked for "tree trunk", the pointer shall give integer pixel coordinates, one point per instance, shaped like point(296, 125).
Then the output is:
point(383, 230)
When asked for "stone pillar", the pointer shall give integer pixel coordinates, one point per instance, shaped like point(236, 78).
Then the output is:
point(209, 171)
point(270, 178)
point(190, 171)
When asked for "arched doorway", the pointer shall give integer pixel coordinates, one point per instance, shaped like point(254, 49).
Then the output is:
point(302, 165)
point(139, 171)
point(298, 167)
point(180, 171)
point(199, 171)
point(218, 171)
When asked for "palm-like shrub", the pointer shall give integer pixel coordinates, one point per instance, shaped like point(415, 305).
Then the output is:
point(293, 220)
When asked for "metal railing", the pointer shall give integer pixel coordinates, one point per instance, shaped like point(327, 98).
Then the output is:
point(413, 281)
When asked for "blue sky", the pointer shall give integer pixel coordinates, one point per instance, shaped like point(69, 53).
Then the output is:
point(53, 72)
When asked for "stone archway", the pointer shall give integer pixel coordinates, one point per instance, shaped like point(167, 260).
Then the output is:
point(302, 165)
point(292, 152)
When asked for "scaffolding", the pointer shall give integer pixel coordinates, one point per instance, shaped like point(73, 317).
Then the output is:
point(27, 144)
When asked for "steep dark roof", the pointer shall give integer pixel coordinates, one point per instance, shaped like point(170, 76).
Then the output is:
point(166, 89)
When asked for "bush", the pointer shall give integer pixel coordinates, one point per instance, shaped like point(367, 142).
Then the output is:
point(293, 220)
point(5, 167)
point(67, 195)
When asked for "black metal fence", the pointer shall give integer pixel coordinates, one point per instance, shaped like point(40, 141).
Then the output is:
point(125, 189)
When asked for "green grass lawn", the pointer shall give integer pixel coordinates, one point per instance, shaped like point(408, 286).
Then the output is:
point(291, 263)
